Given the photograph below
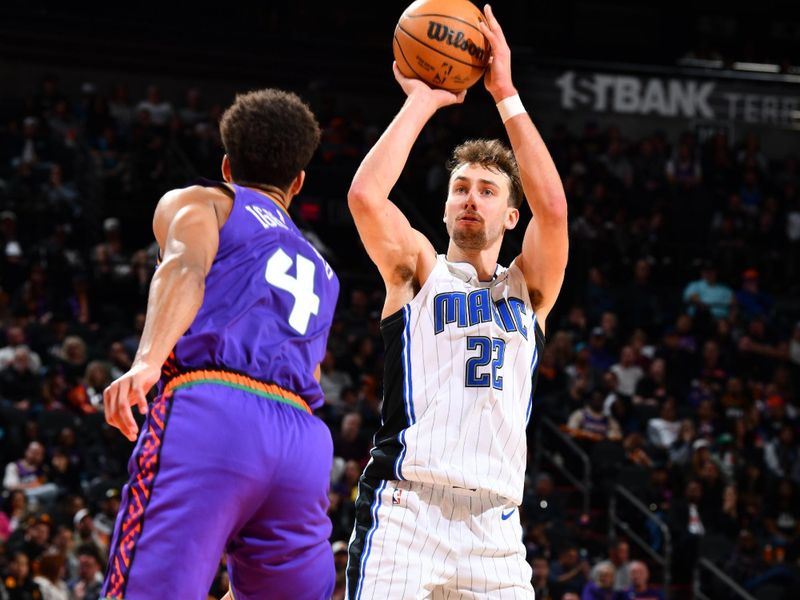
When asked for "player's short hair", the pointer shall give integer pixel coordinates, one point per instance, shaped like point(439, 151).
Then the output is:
point(493, 155)
point(269, 136)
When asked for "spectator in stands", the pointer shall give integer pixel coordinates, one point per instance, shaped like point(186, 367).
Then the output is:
point(750, 299)
point(589, 422)
point(569, 572)
point(28, 474)
point(782, 455)
point(618, 164)
point(581, 368)
point(628, 372)
point(64, 545)
point(640, 302)
point(71, 358)
point(640, 584)
point(349, 443)
point(339, 549)
point(333, 381)
point(619, 554)
point(600, 358)
point(64, 474)
point(16, 338)
point(683, 170)
point(782, 515)
point(635, 450)
point(51, 577)
point(15, 509)
point(541, 572)
point(711, 370)
point(599, 296)
point(119, 108)
point(19, 580)
point(105, 519)
point(601, 584)
point(62, 125)
point(86, 535)
point(19, 383)
point(688, 524)
point(706, 420)
point(89, 582)
point(192, 113)
point(86, 396)
point(33, 540)
point(663, 432)
point(746, 562)
point(707, 293)
point(33, 150)
point(160, 110)
point(651, 390)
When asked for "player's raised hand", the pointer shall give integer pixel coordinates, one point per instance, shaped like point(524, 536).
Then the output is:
point(498, 74)
point(126, 391)
point(439, 97)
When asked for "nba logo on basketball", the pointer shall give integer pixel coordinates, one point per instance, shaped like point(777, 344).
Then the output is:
point(443, 73)
point(396, 496)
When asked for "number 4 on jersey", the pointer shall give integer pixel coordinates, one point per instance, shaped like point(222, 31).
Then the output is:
point(301, 287)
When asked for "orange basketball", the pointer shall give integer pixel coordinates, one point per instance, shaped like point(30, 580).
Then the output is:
point(439, 42)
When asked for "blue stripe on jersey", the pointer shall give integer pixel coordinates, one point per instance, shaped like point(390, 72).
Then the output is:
point(376, 504)
point(534, 362)
point(407, 389)
point(398, 463)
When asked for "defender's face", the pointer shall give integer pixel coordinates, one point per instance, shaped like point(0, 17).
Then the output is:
point(477, 211)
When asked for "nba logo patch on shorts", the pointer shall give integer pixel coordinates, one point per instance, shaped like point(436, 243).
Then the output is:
point(396, 496)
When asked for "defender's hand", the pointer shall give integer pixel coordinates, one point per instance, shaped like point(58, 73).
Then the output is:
point(498, 74)
point(126, 391)
point(417, 87)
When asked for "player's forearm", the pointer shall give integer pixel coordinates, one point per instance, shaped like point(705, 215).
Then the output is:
point(176, 294)
point(540, 178)
point(381, 168)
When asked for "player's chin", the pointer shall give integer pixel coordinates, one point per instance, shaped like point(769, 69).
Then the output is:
point(468, 238)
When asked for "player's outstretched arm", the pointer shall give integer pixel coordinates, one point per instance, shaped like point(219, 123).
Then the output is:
point(545, 245)
point(392, 244)
point(187, 230)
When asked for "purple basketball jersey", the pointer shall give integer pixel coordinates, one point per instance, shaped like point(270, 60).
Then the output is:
point(268, 304)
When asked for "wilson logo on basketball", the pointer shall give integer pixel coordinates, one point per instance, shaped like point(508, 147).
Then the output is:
point(442, 33)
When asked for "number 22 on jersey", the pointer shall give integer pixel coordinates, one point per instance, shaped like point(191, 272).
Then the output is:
point(490, 350)
point(301, 286)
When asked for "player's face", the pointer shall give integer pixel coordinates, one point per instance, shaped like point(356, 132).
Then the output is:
point(477, 211)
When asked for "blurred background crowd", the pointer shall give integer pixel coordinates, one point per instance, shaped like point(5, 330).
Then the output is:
point(672, 357)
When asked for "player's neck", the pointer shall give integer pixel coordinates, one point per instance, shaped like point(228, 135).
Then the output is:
point(273, 192)
point(483, 261)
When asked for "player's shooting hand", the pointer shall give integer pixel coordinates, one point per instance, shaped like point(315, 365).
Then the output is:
point(126, 391)
point(498, 74)
point(418, 88)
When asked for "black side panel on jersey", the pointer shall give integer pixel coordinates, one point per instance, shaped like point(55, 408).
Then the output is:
point(388, 446)
point(539, 349)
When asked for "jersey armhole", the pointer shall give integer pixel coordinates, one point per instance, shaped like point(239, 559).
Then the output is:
point(389, 318)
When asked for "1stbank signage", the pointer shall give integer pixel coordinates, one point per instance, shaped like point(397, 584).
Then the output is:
point(674, 98)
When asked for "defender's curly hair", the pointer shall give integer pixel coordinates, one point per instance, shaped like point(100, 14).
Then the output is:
point(269, 136)
point(493, 155)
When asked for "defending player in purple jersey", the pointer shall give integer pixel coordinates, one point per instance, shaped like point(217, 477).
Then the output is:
point(231, 458)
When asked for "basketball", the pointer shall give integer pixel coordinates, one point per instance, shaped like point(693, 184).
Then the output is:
point(439, 42)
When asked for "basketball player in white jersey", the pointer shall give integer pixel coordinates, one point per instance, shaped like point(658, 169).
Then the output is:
point(436, 515)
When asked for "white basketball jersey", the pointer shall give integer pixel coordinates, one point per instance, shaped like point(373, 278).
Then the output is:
point(460, 370)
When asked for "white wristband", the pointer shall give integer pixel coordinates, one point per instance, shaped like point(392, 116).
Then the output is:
point(510, 107)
